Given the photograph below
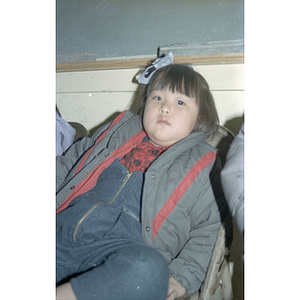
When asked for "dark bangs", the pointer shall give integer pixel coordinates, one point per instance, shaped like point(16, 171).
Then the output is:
point(177, 78)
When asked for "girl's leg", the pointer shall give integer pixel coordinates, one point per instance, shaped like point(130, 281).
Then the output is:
point(138, 273)
point(65, 292)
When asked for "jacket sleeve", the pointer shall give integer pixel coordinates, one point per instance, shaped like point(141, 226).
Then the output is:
point(190, 266)
point(66, 162)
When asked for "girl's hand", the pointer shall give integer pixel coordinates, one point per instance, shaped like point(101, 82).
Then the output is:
point(175, 289)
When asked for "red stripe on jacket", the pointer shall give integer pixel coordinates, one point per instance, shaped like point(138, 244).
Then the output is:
point(90, 181)
point(180, 191)
point(100, 138)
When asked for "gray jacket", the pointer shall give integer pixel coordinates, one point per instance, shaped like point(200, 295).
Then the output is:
point(179, 214)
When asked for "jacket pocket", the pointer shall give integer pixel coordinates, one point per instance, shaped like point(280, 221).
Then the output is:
point(126, 226)
point(132, 214)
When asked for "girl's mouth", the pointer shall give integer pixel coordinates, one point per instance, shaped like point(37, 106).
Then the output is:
point(163, 121)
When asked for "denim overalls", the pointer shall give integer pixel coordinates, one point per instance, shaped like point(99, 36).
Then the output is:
point(99, 241)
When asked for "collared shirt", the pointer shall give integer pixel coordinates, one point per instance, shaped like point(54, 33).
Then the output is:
point(140, 158)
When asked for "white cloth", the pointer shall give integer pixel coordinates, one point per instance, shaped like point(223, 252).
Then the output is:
point(65, 134)
point(232, 179)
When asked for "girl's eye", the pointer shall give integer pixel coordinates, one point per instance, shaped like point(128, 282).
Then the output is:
point(179, 102)
point(157, 98)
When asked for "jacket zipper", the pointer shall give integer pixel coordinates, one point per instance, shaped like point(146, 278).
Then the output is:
point(125, 180)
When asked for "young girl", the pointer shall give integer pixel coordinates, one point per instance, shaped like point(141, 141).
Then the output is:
point(136, 214)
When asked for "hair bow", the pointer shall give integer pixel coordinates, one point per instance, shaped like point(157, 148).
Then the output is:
point(155, 65)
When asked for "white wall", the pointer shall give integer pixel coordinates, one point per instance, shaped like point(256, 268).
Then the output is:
point(91, 97)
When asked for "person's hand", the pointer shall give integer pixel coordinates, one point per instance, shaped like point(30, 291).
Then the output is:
point(175, 289)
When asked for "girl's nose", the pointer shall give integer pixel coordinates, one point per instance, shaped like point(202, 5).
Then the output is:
point(165, 109)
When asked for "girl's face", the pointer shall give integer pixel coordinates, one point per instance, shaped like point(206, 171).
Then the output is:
point(169, 117)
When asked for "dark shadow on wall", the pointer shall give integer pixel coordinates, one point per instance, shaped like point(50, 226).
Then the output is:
point(234, 125)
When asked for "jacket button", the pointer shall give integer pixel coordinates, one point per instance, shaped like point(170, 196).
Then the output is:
point(152, 177)
point(147, 229)
point(72, 187)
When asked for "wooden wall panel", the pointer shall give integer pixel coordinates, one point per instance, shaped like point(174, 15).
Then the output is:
point(219, 77)
point(92, 109)
point(91, 97)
